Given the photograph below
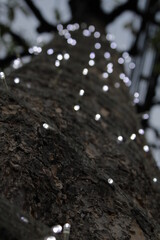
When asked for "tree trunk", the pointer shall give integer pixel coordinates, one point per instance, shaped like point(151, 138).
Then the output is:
point(74, 169)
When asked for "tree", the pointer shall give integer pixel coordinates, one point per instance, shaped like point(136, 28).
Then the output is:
point(90, 12)
point(72, 149)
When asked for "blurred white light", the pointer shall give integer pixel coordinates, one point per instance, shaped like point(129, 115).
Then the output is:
point(71, 27)
point(110, 70)
point(35, 50)
point(125, 79)
point(91, 28)
point(136, 100)
point(97, 34)
point(57, 63)
point(97, 117)
point(45, 125)
point(57, 229)
point(133, 137)
point(107, 55)
point(71, 41)
point(50, 238)
point(66, 56)
point(109, 37)
point(113, 45)
point(120, 139)
point(122, 76)
point(67, 35)
point(146, 148)
point(120, 60)
point(97, 45)
point(132, 65)
point(81, 92)
point(125, 55)
point(110, 180)
point(85, 71)
point(24, 219)
point(128, 83)
point(76, 108)
point(2, 75)
point(141, 131)
point(154, 179)
point(105, 75)
point(86, 33)
point(145, 116)
point(105, 88)
point(67, 225)
point(59, 57)
point(110, 65)
point(76, 26)
point(50, 51)
point(91, 63)
point(92, 55)
point(59, 27)
point(16, 80)
point(74, 42)
point(136, 94)
point(17, 63)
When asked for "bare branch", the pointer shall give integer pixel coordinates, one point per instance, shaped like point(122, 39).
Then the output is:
point(15, 36)
point(89, 7)
point(44, 25)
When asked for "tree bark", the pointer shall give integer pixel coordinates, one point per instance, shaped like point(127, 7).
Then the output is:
point(61, 174)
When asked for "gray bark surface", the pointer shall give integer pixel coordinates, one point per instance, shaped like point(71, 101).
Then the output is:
point(60, 174)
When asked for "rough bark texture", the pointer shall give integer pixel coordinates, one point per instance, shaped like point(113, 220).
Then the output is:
point(61, 174)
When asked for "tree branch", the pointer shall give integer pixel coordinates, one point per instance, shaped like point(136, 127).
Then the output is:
point(130, 5)
point(17, 38)
point(155, 130)
point(88, 7)
point(44, 25)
